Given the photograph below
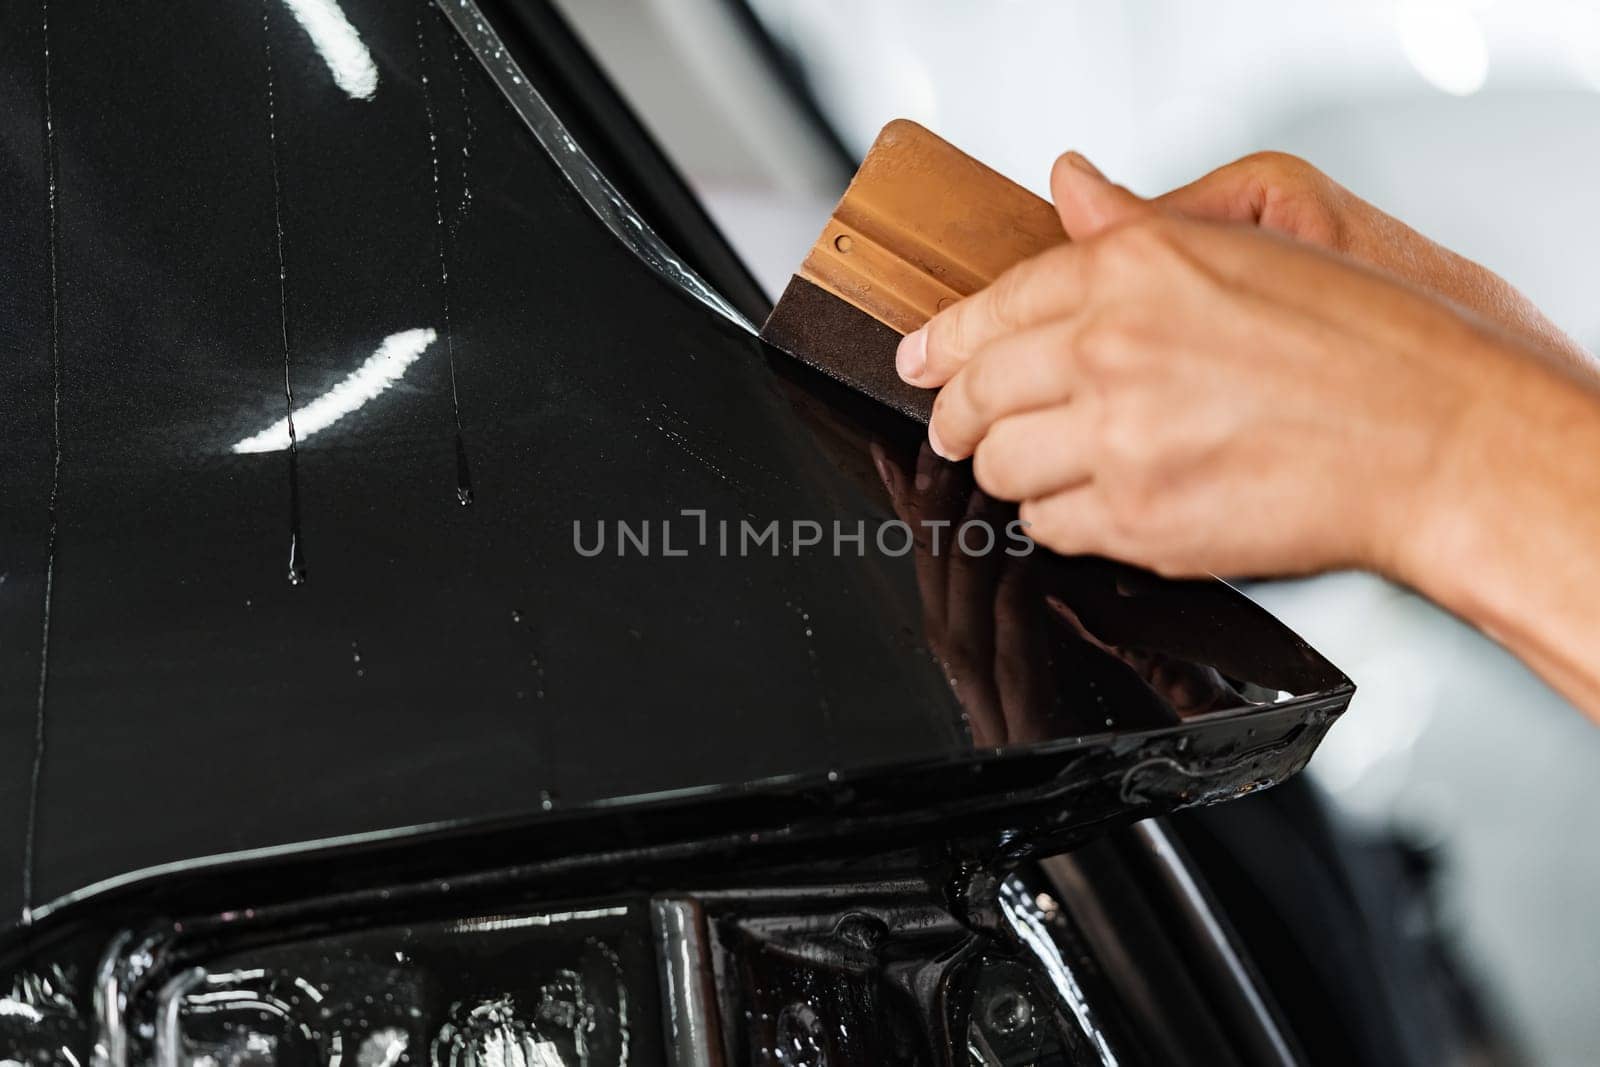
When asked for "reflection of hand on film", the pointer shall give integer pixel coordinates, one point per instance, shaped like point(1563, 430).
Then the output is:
point(978, 614)
point(1190, 688)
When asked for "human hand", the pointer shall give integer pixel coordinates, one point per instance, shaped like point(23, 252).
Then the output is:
point(1206, 397)
point(1287, 195)
point(1197, 397)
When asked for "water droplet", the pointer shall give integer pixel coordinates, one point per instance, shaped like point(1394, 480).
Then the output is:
point(798, 1039)
point(463, 468)
point(1009, 1012)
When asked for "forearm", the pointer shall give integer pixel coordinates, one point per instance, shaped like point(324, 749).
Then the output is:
point(1390, 244)
point(1510, 538)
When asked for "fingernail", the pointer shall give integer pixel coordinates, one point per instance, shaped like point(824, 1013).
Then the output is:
point(924, 481)
point(936, 444)
point(1084, 165)
point(911, 358)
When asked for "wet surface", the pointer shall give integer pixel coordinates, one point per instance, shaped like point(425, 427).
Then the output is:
point(230, 257)
point(458, 992)
point(909, 957)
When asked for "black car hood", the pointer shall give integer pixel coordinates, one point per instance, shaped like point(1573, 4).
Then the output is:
point(167, 693)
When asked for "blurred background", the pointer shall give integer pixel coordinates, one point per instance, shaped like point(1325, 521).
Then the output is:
point(1477, 122)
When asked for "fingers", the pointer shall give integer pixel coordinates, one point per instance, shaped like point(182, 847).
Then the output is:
point(1087, 201)
point(893, 479)
point(1021, 658)
point(1073, 522)
point(1022, 371)
point(1233, 193)
point(1048, 286)
point(1275, 191)
point(1035, 454)
point(969, 601)
point(957, 587)
point(917, 499)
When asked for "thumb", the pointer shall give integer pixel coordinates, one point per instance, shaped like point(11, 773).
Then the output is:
point(1087, 201)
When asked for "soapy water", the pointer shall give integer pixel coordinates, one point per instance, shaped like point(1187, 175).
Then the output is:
point(42, 693)
point(296, 568)
point(442, 242)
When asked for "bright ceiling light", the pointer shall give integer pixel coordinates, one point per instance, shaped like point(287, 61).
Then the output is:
point(1445, 43)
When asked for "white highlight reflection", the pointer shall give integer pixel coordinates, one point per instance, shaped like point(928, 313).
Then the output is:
point(340, 46)
point(555, 918)
point(10, 1007)
point(1445, 43)
point(380, 370)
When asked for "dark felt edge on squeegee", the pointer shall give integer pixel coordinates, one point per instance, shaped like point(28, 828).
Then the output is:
point(845, 343)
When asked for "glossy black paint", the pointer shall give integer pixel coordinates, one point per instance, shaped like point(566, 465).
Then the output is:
point(442, 663)
point(572, 84)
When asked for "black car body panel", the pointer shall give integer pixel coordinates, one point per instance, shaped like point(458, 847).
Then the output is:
point(455, 730)
point(437, 663)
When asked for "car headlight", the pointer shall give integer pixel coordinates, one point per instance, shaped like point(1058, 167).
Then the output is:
point(536, 989)
point(875, 971)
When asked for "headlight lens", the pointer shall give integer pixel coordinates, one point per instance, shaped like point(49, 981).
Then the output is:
point(534, 990)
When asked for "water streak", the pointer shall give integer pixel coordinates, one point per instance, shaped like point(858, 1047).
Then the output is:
point(296, 572)
point(442, 243)
point(469, 128)
point(51, 167)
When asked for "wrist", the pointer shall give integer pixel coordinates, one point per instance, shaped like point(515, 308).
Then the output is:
point(1514, 469)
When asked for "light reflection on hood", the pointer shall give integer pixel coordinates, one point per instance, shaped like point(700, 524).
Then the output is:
point(378, 372)
point(340, 46)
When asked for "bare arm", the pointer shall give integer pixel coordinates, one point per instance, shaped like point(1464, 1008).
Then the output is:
point(1199, 397)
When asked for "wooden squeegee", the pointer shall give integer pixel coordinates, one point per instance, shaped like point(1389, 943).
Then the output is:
point(922, 225)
